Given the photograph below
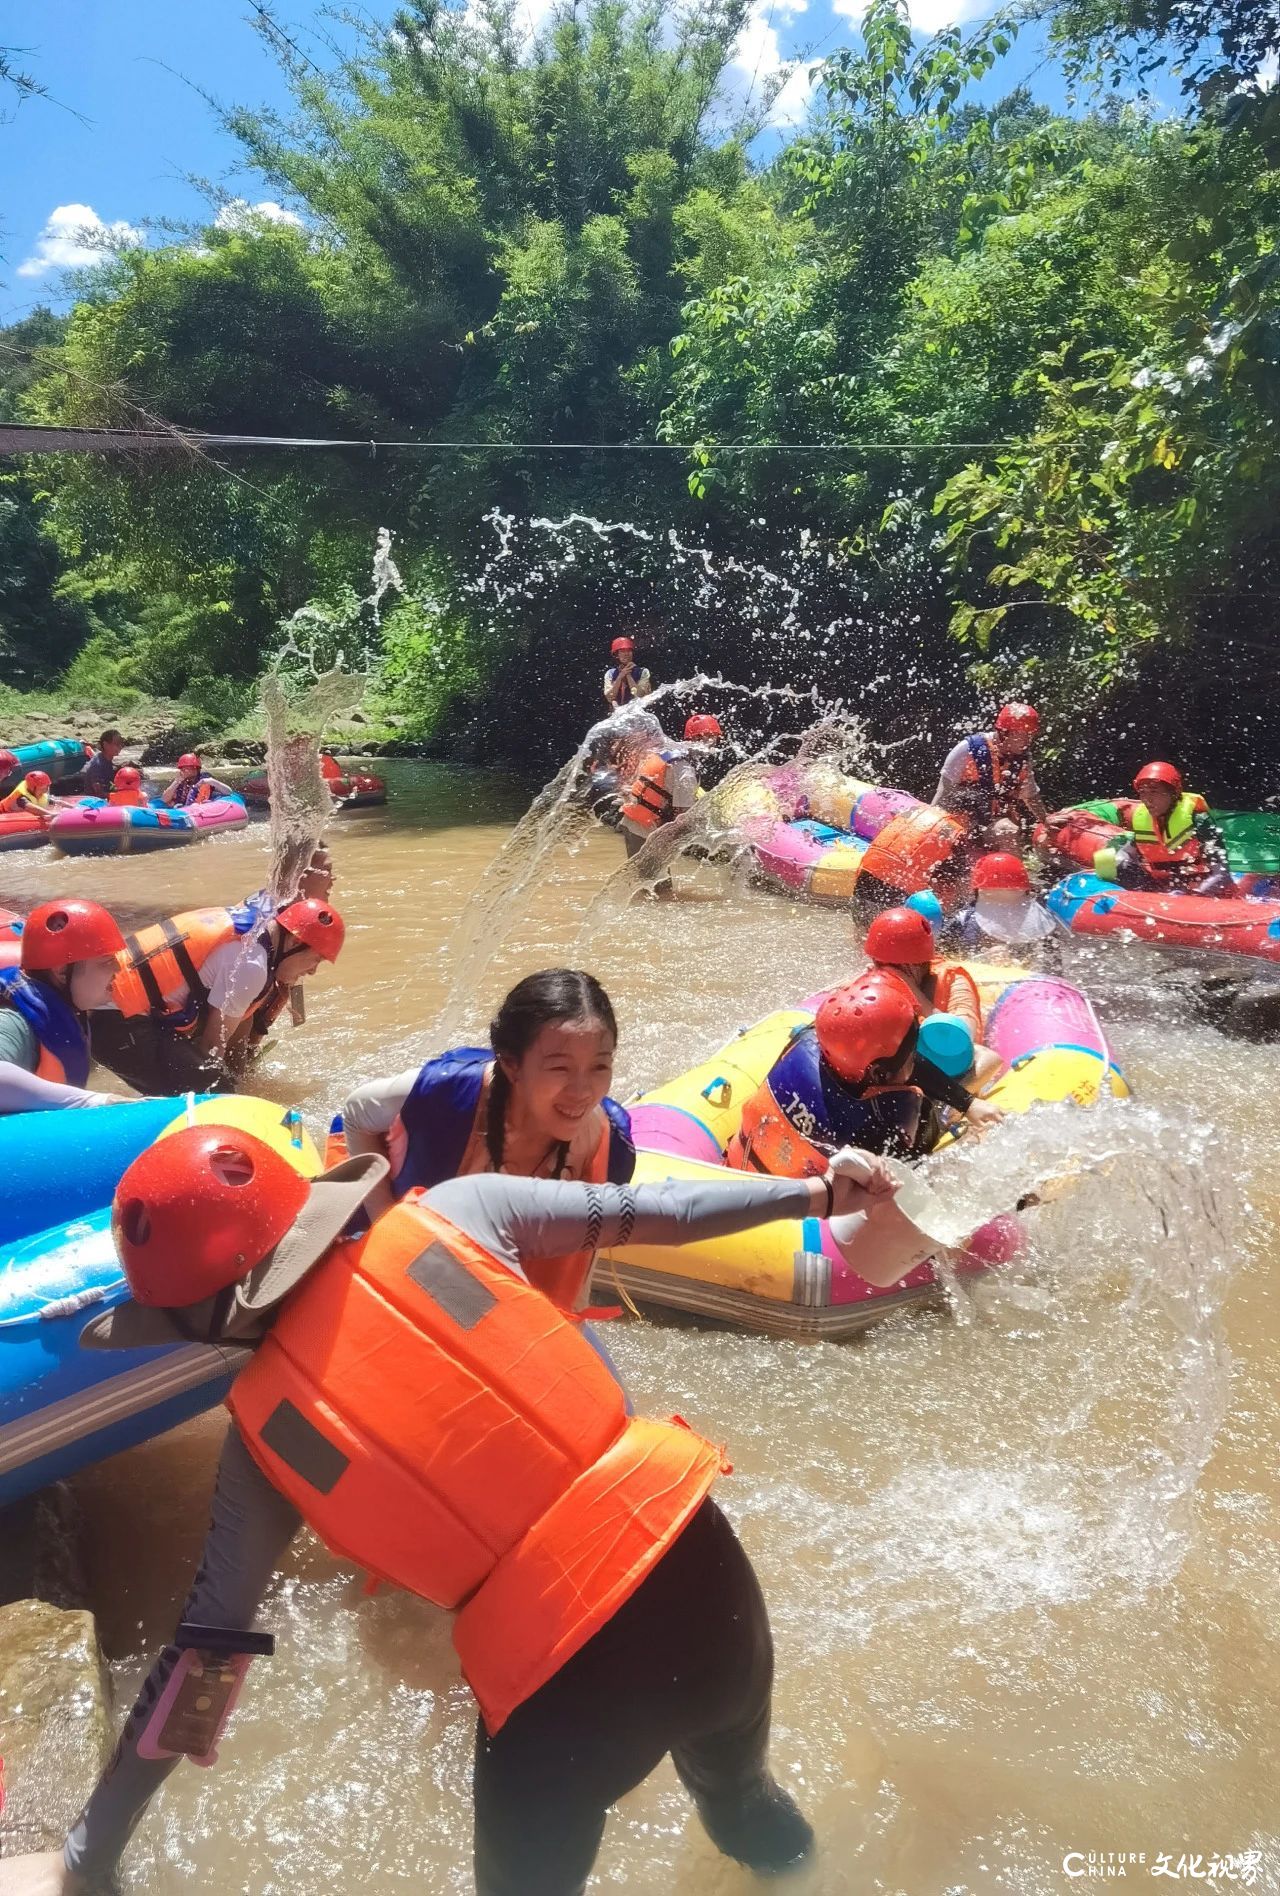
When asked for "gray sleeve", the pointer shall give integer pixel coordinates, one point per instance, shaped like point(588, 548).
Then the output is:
point(516, 1218)
point(250, 1527)
point(22, 1092)
point(18, 1043)
point(373, 1108)
point(684, 785)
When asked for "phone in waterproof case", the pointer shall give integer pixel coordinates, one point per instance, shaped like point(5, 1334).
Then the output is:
point(298, 1004)
point(200, 1697)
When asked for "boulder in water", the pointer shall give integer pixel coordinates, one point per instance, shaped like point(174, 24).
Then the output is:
point(54, 1700)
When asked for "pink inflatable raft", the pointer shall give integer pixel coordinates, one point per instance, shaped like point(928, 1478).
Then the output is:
point(811, 831)
point(795, 1279)
point(96, 828)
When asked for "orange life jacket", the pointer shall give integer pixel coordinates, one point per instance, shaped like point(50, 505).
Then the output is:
point(649, 801)
point(126, 799)
point(565, 1279)
point(799, 1101)
point(160, 967)
point(911, 846)
point(769, 1140)
point(954, 992)
point(436, 1420)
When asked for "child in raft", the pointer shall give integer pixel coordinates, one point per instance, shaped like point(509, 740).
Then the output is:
point(418, 1404)
point(1004, 914)
point(533, 1103)
point(67, 964)
point(868, 1072)
point(900, 942)
point(193, 784)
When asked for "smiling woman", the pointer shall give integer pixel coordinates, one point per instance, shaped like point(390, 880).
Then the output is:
point(534, 1103)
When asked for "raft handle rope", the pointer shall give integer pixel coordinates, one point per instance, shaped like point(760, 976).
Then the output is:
point(61, 1307)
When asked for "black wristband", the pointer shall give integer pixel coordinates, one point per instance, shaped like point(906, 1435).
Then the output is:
point(829, 1182)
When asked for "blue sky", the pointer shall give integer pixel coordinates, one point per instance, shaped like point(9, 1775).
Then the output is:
point(143, 134)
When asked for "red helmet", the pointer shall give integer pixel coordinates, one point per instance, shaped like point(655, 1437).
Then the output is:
point(702, 726)
point(195, 1212)
point(867, 1021)
point(900, 938)
point(128, 777)
point(1022, 718)
point(59, 933)
point(622, 645)
point(8, 763)
point(38, 781)
point(1003, 870)
point(189, 761)
point(1160, 773)
point(316, 925)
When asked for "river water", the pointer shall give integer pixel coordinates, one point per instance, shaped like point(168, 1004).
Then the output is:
point(1020, 1556)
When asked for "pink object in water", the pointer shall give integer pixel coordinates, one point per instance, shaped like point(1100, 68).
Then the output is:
point(1042, 1012)
point(782, 850)
point(996, 1243)
point(669, 1129)
point(875, 808)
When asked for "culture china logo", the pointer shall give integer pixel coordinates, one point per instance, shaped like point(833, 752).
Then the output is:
point(1241, 1867)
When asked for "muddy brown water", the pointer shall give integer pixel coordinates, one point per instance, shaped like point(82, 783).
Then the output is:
point(1020, 1556)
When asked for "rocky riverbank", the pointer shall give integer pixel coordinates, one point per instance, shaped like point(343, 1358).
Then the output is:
point(159, 730)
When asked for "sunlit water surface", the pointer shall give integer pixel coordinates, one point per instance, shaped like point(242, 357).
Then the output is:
point(1020, 1556)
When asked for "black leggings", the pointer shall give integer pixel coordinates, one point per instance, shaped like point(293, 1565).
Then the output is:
point(685, 1666)
point(151, 1057)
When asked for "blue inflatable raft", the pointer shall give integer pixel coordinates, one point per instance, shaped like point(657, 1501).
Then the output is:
point(59, 756)
point(62, 1407)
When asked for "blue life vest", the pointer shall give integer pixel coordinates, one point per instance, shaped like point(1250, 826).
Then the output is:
point(189, 792)
point(630, 691)
point(440, 1111)
point(53, 1021)
point(828, 1112)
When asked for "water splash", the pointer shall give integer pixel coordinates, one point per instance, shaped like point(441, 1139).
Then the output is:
point(326, 660)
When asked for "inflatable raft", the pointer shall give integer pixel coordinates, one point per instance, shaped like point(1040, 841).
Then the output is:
point(791, 1279)
point(1252, 838)
point(94, 827)
point(23, 829)
point(60, 1165)
point(62, 1407)
point(10, 938)
point(1221, 925)
point(59, 756)
point(360, 791)
point(811, 831)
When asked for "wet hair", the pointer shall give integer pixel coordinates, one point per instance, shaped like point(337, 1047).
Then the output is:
point(110, 737)
point(547, 999)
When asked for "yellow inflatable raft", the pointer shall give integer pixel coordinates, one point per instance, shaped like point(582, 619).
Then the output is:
point(791, 1278)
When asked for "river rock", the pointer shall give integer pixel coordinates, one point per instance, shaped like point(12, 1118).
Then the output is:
point(54, 1720)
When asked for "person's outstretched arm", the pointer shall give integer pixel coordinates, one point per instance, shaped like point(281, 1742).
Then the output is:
point(515, 1218)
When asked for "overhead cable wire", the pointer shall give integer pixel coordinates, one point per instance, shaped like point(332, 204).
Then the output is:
point(52, 438)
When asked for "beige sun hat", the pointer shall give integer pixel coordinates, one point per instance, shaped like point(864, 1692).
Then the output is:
point(237, 1314)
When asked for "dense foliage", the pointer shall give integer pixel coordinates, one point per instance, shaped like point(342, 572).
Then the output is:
point(1038, 353)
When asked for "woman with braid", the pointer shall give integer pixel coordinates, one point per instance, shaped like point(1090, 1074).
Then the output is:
point(532, 1104)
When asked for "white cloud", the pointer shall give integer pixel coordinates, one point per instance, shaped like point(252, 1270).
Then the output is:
point(758, 57)
point(1268, 72)
point(927, 16)
point(239, 214)
point(76, 238)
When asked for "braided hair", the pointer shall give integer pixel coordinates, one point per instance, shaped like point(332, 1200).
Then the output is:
point(549, 998)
